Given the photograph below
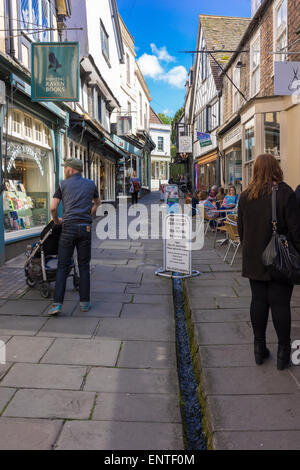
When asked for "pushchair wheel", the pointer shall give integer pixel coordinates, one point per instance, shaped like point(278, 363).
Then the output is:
point(30, 283)
point(76, 282)
point(45, 290)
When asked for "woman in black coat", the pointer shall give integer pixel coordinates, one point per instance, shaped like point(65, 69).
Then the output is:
point(255, 230)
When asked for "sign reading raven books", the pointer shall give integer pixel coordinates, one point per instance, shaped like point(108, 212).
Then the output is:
point(55, 71)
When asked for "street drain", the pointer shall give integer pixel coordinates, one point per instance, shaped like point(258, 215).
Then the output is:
point(188, 385)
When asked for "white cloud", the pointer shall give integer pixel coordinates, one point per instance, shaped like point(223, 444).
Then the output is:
point(176, 77)
point(162, 53)
point(150, 66)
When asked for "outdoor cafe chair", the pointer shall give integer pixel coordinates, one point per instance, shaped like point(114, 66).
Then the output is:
point(234, 240)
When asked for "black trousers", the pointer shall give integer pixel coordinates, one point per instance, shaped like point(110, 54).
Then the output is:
point(135, 197)
point(277, 296)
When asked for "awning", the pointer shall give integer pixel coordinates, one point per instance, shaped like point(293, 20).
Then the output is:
point(207, 158)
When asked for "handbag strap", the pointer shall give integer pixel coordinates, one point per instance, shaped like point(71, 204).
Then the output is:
point(274, 211)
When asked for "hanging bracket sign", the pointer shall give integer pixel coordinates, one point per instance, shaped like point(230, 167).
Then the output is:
point(55, 71)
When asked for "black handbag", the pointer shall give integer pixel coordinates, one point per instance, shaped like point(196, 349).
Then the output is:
point(280, 256)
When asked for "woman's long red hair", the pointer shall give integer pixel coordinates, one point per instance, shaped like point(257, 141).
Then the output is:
point(266, 171)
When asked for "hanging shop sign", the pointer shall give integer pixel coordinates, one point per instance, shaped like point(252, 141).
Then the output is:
point(287, 78)
point(124, 125)
point(204, 139)
point(185, 144)
point(55, 71)
point(177, 244)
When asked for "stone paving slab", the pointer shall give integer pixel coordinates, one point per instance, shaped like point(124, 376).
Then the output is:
point(239, 355)
point(27, 349)
point(132, 329)
point(50, 404)
point(155, 355)
point(220, 315)
point(45, 376)
point(4, 368)
point(20, 326)
point(14, 433)
point(255, 412)
point(69, 327)
point(259, 440)
point(248, 381)
point(5, 395)
point(107, 287)
point(132, 407)
point(147, 311)
point(97, 435)
point(116, 380)
point(152, 299)
point(203, 292)
point(223, 333)
point(26, 307)
point(100, 309)
point(108, 297)
point(83, 352)
point(150, 289)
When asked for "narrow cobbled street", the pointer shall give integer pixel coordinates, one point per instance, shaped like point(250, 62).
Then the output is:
point(102, 380)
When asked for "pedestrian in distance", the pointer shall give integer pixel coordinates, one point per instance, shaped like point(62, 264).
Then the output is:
point(135, 186)
point(255, 231)
point(80, 199)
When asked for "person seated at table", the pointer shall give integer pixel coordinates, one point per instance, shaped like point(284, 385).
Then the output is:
point(220, 196)
point(211, 210)
point(198, 198)
point(231, 199)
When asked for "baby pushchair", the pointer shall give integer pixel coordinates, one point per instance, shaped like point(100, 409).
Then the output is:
point(42, 259)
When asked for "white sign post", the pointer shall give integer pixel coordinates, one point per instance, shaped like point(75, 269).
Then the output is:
point(177, 234)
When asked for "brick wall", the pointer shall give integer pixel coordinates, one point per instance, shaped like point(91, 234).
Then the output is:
point(266, 61)
point(293, 27)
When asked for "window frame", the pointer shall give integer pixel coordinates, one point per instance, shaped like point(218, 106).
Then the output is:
point(277, 33)
point(104, 39)
point(160, 143)
point(257, 69)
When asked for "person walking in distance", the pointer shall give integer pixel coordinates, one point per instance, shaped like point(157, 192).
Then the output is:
point(80, 199)
point(135, 186)
point(255, 231)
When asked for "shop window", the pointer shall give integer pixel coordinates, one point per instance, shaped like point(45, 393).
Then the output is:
point(255, 67)
point(280, 28)
point(272, 133)
point(38, 132)
point(28, 127)
point(160, 144)
point(249, 141)
point(16, 123)
point(28, 186)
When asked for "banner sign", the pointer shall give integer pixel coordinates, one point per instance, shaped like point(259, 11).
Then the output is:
point(172, 198)
point(204, 139)
point(177, 243)
point(55, 71)
point(124, 125)
point(287, 78)
point(185, 144)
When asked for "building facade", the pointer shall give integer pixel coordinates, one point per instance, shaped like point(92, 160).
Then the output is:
point(32, 134)
point(257, 120)
point(203, 109)
point(161, 155)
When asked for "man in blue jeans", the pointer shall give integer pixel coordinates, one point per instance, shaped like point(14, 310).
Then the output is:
point(77, 195)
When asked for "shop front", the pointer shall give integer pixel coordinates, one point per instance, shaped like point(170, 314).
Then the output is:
point(232, 168)
point(159, 171)
point(28, 176)
point(207, 171)
point(126, 166)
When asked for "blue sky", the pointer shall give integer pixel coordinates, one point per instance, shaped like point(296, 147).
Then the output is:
point(162, 28)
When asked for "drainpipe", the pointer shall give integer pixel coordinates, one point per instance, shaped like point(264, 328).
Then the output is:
point(11, 27)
